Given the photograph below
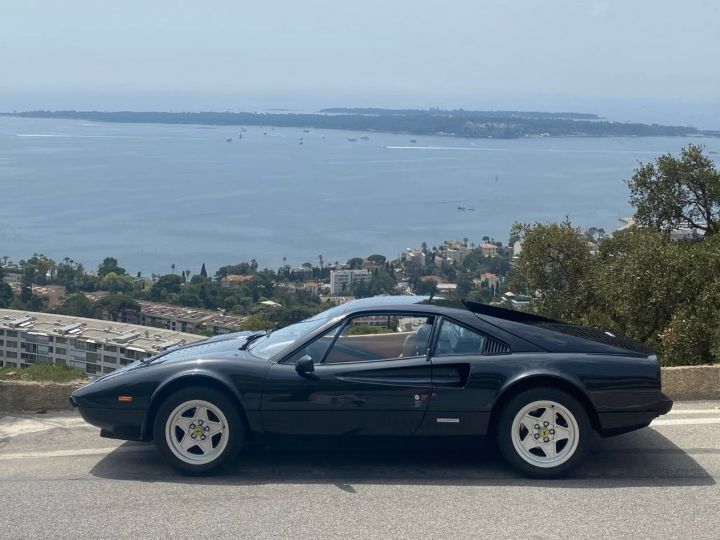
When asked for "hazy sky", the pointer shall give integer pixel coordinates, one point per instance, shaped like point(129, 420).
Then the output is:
point(641, 59)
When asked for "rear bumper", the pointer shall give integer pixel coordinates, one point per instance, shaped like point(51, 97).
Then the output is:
point(616, 423)
point(664, 405)
point(114, 423)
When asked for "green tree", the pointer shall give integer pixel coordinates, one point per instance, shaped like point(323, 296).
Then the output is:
point(355, 263)
point(256, 322)
point(556, 266)
point(661, 292)
point(113, 305)
point(165, 286)
point(77, 304)
point(426, 287)
point(464, 286)
point(6, 295)
point(116, 283)
point(72, 276)
point(382, 283)
point(678, 192)
point(109, 264)
point(38, 269)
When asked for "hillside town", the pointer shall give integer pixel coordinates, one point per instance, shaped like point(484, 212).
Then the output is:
point(98, 320)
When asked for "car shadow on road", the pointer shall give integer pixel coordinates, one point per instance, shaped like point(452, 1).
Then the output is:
point(643, 458)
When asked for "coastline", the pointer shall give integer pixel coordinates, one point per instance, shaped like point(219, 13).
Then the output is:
point(452, 124)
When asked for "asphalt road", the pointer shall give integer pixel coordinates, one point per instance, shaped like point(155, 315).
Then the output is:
point(59, 479)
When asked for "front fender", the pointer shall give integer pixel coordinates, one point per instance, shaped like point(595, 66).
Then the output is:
point(194, 376)
point(188, 377)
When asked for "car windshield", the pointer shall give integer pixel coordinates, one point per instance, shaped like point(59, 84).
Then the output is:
point(278, 340)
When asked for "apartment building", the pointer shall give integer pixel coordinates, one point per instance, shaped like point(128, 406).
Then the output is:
point(92, 345)
point(182, 319)
point(342, 281)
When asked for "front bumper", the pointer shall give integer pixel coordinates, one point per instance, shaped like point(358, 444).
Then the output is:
point(114, 423)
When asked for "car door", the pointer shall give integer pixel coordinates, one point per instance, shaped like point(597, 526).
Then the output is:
point(371, 377)
point(468, 368)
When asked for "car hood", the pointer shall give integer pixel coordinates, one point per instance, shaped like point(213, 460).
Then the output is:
point(211, 347)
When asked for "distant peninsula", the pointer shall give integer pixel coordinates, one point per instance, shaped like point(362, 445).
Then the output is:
point(453, 123)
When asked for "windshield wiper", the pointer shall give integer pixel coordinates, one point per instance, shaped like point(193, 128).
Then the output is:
point(251, 338)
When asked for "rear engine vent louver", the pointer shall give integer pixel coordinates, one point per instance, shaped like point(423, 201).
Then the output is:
point(493, 346)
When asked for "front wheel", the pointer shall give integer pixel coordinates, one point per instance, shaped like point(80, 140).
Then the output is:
point(544, 432)
point(198, 430)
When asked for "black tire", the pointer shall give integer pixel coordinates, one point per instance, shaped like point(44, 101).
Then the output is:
point(505, 432)
point(235, 427)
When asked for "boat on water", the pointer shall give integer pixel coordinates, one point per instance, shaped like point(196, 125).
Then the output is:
point(461, 208)
point(365, 138)
point(413, 141)
point(228, 139)
point(352, 139)
point(306, 131)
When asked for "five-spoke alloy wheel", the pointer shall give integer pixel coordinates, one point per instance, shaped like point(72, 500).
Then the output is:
point(198, 429)
point(543, 432)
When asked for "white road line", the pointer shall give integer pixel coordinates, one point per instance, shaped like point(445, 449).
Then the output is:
point(16, 425)
point(695, 411)
point(684, 421)
point(77, 452)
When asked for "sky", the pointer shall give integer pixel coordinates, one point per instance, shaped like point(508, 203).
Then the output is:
point(642, 60)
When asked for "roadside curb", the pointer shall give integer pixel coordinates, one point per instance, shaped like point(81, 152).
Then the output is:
point(691, 382)
point(678, 383)
point(36, 396)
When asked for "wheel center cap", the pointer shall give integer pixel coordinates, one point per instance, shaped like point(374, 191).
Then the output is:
point(198, 431)
point(544, 433)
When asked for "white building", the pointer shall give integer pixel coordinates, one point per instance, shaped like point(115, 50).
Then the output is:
point(415, 256)
point(517, 248)
point(488, 250)
point(13, 276)
point(342, 281)
point(93, 345)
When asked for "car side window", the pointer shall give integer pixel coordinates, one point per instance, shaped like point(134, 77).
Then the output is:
point(457, 339)
point(381, 337)
point(315, 349)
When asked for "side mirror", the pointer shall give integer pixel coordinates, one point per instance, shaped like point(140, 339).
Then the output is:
point(305, 364)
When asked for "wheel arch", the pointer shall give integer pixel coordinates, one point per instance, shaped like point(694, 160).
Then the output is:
point(184, 380)
point(515, 387)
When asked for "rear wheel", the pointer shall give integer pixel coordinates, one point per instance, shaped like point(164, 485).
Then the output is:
point(198, 430)
point(544, 432)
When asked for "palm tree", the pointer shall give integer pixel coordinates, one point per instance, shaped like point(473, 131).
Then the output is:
point(321, 262)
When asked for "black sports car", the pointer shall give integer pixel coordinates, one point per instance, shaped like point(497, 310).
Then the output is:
point(401, 366)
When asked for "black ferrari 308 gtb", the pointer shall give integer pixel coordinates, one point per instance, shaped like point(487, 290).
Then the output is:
point(400, 366)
